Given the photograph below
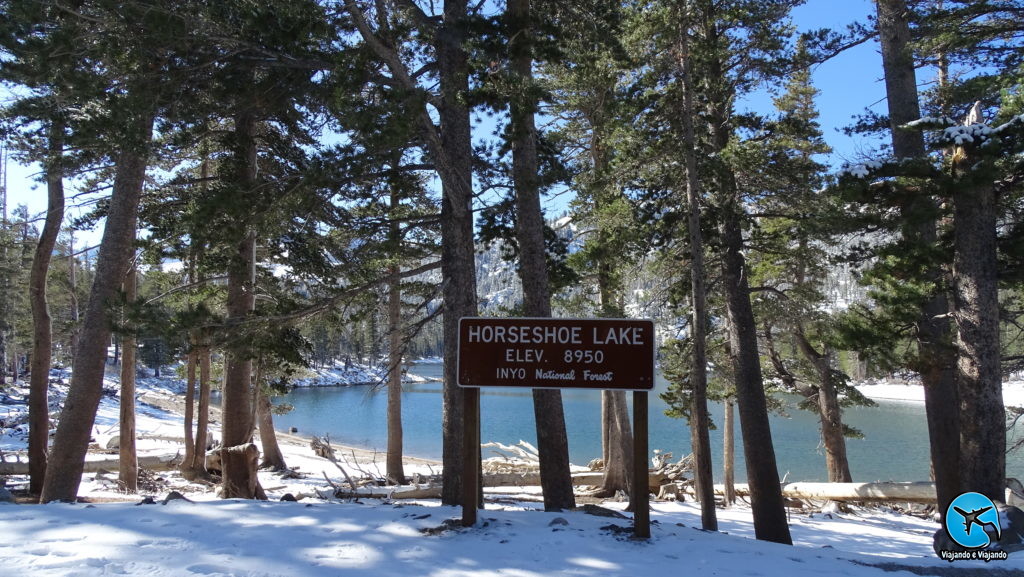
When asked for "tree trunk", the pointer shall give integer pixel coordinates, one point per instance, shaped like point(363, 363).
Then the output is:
point(616, 430)
point(73, 300)
point(979, 378)
point(191, 367)
point(395, 467)
point(700, 423)
point(832, 431)
point(15, 359)
point(3, 351)
point(552, 441)
point(829, 411)
point(935, 362)
point(729, 452)
point(759, 452)
point(237, 427)
point(454, 157)
point(64, 470)
point(762, 473)
point(272, 457)
point(617, 449)
point(42, 326)
point(203, 425)
point(247, 456)
point(128, 458)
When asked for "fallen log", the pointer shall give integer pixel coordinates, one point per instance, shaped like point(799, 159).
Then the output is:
point(489, 480)
point(532, 478)
point(914, 492)
point(153, 462)
point(430, 492)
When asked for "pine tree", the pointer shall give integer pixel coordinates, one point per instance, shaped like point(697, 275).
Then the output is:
point(587, 80)
point(791, 267)
point(449, 146)
point(553, 443)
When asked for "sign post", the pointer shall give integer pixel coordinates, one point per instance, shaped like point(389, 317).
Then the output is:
point(547, 353)
point(470, 455)
point(641, 480)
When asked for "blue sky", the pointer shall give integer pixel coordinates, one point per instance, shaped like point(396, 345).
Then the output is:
point(848, 84)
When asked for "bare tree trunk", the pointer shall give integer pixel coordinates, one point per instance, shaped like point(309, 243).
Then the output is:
point(700, 423)
point(979, 377)
point(202, 427)
point(395, 467)
point(618, 448)
point(42, 336)
point(191, 367)
point(272, 457)
point(64, 470)
point(237, 428)
point(762, 473)
point(128, 458)
point(729, 452)
point(552, 441)
point(935, 351)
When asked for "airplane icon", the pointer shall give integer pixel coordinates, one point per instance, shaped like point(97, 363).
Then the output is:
point(972, 519)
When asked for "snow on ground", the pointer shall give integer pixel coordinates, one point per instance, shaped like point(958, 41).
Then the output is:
point(349, 375)
point(374, 538)
point(377, 537)
point(1013, 392)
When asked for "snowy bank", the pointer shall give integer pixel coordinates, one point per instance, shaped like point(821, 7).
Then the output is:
point(1013, 392)
point(350, 375)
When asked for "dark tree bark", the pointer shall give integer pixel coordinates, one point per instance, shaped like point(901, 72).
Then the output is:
point(42, 326)
point(552, 440)
point(935, 363)
point(273, 458)
point(237, 428)
point(64, 470)
point(395, 466)
point(979, 378)
point(128, 469)
point(700, 423)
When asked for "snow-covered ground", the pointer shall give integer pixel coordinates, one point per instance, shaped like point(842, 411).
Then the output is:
point(385, 539)
point(341, 375)
point(1013, 392)
point(115, 534)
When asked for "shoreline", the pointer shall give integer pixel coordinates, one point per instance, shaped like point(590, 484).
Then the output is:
point(176, 405)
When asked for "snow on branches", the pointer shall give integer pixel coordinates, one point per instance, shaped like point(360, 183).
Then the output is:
point(949, 132)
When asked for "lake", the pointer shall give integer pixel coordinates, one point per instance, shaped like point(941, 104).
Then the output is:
point(895, 446)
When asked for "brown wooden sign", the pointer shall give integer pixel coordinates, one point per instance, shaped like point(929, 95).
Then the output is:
point(545, 353)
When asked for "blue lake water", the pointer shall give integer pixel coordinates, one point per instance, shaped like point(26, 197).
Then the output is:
point(895, 446)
